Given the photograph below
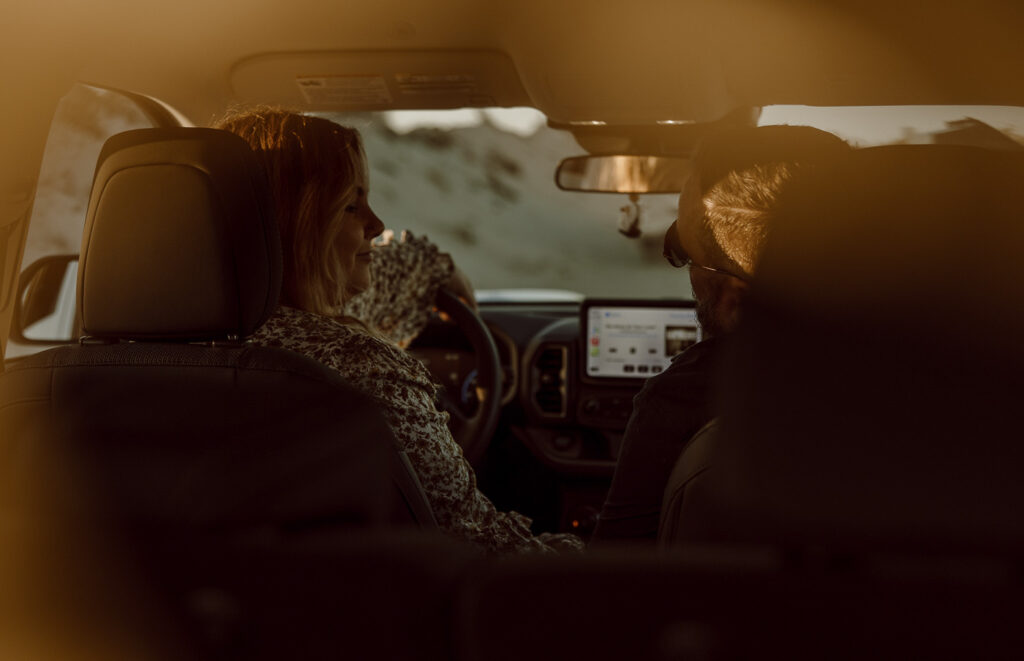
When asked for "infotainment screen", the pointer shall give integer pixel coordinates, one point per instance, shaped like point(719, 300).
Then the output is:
point(635, 339)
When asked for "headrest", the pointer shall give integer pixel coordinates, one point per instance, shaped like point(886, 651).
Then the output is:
point(180, 240)
point(737, 149)
point(876, 384)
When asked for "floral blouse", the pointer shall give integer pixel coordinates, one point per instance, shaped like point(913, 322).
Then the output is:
point(406, 275)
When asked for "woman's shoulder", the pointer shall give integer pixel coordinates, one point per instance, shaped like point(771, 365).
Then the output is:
point(289, 327)
point(349, 348)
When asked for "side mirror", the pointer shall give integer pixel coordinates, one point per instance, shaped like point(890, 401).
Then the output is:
point(45, 310)
point(623, 173)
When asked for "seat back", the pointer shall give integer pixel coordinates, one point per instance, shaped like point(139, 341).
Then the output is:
point(733, 603)
point(685, 491)
point(164, 414)
point(874, 388)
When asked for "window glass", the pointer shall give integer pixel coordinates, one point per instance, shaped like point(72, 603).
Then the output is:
point(995, 127)
point(84, 119)
point(480, 184)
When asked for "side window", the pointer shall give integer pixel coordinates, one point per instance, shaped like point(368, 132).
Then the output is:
point(84, 119)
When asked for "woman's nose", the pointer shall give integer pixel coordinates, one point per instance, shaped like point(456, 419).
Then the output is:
point(374, 226)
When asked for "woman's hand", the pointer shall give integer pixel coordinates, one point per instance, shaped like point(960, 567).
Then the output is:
point(460, 285)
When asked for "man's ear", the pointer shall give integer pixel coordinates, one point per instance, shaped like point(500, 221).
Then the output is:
point(733, 300)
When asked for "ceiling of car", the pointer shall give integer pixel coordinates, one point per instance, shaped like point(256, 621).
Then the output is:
point(576, 60)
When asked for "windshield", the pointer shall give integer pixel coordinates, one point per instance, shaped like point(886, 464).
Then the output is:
point(995, 127)
point(480, 184)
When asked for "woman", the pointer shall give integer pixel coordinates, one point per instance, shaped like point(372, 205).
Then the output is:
point(348, 304)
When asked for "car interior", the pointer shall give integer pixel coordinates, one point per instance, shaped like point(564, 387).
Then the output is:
point(172, 490)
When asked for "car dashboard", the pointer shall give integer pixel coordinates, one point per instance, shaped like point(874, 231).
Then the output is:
point(562, 422)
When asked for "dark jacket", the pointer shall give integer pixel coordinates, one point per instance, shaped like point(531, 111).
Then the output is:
point(667, 412)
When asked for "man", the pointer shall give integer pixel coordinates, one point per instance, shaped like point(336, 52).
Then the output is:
point(725, 212)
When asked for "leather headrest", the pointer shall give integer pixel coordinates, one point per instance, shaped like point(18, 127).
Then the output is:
point(180, 239)
point(875, 386)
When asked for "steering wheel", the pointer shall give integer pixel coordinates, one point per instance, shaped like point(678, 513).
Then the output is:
point(473, 433)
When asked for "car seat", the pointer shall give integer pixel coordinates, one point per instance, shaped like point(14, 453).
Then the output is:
point(874, 386)
point(685, 488)
point(164, 414)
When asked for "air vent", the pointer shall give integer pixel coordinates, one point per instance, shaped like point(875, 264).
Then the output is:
point(549, 376)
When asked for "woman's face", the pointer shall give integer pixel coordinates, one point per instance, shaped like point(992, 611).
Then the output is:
point(359, 226)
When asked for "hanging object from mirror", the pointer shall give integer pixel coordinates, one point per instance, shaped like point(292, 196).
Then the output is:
point(630, 217)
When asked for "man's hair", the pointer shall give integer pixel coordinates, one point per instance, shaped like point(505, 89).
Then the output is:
point(315, 168)
point(737, 213)
point(740, 175)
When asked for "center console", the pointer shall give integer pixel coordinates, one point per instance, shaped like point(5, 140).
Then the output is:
point(622, 343)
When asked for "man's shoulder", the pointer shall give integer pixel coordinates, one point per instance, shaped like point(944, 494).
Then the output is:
point(688, 375)
point(697, 358)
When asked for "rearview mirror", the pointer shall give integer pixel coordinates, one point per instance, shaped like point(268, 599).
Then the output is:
point(45, 308)
point(623, 173)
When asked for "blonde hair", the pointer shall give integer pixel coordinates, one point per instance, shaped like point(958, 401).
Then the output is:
point(315, 168)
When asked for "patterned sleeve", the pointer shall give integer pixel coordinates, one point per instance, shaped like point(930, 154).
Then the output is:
point(403, 388)
point(448, 479)
point(405, 276)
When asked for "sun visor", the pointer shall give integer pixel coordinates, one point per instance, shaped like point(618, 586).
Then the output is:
point(380, 80)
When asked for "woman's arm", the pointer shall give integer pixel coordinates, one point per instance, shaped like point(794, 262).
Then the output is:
point(406, 274)
point(402, 385)
point(450, 484)
point(403, 388)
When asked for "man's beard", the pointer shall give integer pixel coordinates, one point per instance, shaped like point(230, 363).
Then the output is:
point(707, 306)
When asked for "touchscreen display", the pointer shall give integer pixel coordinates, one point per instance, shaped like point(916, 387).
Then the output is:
point(626, 342)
